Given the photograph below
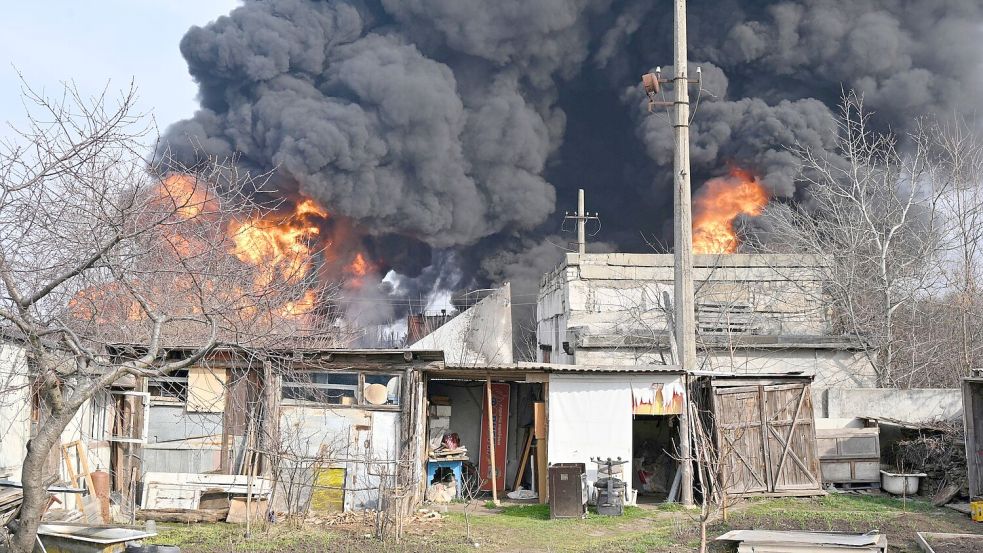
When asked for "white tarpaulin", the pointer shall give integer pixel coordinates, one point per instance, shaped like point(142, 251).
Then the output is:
point(591, 416)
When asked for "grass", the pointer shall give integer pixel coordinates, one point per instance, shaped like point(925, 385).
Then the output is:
point(663, 528)
point(231, 537)
point(897, 518)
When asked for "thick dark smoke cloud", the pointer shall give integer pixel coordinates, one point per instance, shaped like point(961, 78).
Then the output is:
point(465, 126)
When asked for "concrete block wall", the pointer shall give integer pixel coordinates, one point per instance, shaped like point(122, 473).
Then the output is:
point(916, 405)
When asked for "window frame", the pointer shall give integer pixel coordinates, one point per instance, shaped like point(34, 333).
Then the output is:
point(359, 403)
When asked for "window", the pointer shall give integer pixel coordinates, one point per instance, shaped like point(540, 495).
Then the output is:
point(342, 388)
point(331, 388)
point(373, 391)
point(170, 388)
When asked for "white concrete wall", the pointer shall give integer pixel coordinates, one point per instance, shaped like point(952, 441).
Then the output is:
point(480, 335)
point(917, 405)
point(15, 410)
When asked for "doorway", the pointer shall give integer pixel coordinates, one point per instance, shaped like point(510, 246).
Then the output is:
point(654, 455)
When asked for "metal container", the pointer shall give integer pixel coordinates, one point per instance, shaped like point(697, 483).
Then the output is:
point(567, 482)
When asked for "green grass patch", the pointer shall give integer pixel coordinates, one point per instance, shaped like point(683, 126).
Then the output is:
point(844, 512)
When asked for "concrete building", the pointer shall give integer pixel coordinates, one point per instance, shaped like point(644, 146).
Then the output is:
point(755, 314)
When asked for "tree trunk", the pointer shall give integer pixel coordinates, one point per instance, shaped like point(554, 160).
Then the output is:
point(32, 478)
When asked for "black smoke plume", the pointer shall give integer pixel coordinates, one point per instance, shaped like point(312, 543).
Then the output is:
point(459, 130)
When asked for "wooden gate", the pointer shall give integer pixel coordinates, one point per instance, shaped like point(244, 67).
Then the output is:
point(766, 436)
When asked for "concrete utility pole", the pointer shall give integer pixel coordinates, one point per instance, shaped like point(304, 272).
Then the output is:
point(581, 224)
point(683, 234)
point(581, 217)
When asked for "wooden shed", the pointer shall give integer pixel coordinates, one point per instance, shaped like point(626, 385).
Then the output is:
point(765, 433)
point(973, 422)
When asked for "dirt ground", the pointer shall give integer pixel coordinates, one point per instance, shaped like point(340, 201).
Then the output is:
point(955, 544)
point(527, 528)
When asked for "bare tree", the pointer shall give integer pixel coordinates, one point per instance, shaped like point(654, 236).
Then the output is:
point(961, 163)
point(100, 246)
point(872, 208)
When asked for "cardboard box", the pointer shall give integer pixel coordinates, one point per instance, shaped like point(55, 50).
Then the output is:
point(440, 410)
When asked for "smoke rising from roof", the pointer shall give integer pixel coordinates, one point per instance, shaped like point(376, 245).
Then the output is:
point(463, 125)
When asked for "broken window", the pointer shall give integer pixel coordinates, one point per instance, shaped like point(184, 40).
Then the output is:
point(170, 388)
point(131, 416)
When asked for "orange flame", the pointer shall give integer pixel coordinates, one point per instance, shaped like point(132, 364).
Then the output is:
point(301, 306)
point(718, 204)
point(183, 193)
point(281, 247)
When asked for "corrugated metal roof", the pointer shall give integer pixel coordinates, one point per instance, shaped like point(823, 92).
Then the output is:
point(560, 368)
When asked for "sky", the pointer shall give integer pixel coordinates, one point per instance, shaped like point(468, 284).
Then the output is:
point(102, 41)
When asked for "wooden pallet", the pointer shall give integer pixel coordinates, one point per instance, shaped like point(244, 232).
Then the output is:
point(857, 485)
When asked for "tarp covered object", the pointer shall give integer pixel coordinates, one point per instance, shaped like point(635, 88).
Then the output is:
point(590, 416)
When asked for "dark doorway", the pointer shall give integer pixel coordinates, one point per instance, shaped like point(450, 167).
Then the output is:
point(654, 455)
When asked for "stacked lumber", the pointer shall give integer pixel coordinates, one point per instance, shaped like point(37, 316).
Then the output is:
point(10, 500)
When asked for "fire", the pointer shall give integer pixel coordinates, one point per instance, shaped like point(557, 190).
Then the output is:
point(301, 306)
point(718, 204)
point(359, 266)
point(282, 250)
point(184, 194)
point(278, 246)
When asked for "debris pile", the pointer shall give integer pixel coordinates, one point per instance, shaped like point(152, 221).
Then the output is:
point(442, 492)
point(346, 518)
point(938, 450)
point(10, 500)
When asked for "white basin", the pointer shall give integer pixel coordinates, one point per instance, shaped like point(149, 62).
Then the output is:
point(901, 483)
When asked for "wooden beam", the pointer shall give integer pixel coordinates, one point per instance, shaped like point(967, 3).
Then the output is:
point(523, 460)
point(491, 439)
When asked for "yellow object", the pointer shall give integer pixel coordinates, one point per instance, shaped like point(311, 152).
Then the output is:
point(976, 510)
point(328, 495)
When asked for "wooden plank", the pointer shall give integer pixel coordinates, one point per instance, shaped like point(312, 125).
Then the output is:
point(972, 419)
point(206, 389)
point(736, 428)
point(523, 459)
point(491, 440)
point(762, 399)
point(72, 477)
point(539, 419)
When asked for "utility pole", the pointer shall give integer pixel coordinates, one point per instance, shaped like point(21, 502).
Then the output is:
point(683, 236)
point(581, 217)
point(581, 224)
point(685, 309)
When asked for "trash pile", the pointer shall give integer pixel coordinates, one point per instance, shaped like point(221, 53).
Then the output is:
point(442, 492)
point(449, 446)
point(938, 450)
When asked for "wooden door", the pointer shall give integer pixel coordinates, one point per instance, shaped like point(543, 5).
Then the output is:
point(793, 462)
point(767, 440)
point(743, 469)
